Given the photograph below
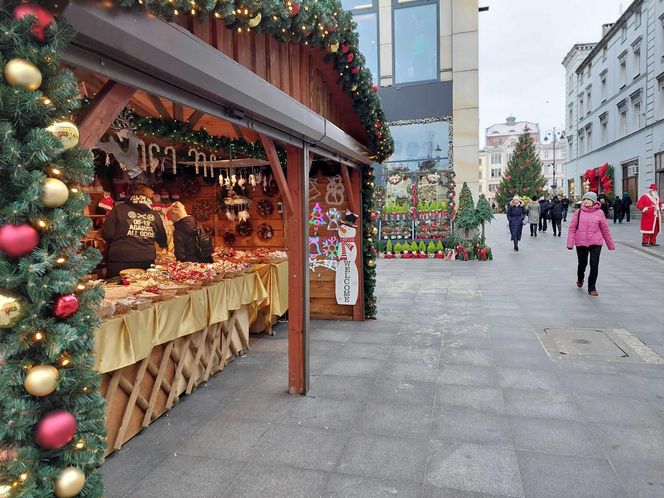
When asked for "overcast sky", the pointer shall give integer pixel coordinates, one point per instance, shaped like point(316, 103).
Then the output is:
point(522, 45)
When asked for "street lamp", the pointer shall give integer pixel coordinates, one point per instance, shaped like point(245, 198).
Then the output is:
point(554, 135)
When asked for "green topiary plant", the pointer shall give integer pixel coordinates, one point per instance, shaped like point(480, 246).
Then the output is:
point(398, 248)
point(431, 248)
point(421, 246)
point(440, 246)
point(413, 247)
point(484, 213)
point(466, 218)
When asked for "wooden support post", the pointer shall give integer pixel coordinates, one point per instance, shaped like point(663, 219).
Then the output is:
point(108, 103)
point(195, 118)
point(159, 106)
point(278, 172)
point(298, 268)
point(178, 112)
point(355, 183)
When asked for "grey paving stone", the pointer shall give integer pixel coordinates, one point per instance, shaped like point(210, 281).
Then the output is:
point(475, 357)
point(345, 486)
point(304, 447)
point(410, 339)
point(394, 420)
point(547, 404)
point(562, 437)
point(480, 398)
point(528, 379)
point(124, 470)
point(617, 410)
point(468, 375)
point(384, 457)
point(373, 337)
point(365, 351)
point(592, 383)
point(432, 492)
point(325, 413)
point(415, 354)
point(341, 387)
point(403, 391)
point(185, 475)
point(467, 425)
point(640, 479)
point(260, 406)
point(340, 334)
point(354, 367)
point(473, 468)
point(397, 370)
point(231, 440)
point(556, 476)
point(277, 481)
point(631, 442)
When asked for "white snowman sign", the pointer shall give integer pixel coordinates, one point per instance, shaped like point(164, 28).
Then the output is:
point(347, 281)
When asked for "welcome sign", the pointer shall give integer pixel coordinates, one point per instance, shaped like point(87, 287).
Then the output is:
point(347, 279)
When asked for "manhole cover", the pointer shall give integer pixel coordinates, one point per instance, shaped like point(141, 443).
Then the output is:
point(600, 344)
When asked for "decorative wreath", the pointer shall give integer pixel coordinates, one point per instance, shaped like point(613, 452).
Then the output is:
point(271, 188)
point(202, 210)
point(190, 186)
point(264, 231)
point(244, 228)
point(265, 207)
point(229, 237)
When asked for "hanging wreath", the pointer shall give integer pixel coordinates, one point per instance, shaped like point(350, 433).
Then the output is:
point(190, 186)
point(265, 207)
point(229, 237)
point(264, 231)
point(244, 228)
point(202, 210)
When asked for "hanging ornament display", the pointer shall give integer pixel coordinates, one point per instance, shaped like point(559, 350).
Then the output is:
point(65, 306)
point(23, 74)
point(264, 231)
point(255, 21)
point(41, 380)
point(12, 308)
point(18, 240)
point(55, 430)
point(333, 47)
point(229, 237)
point(55, 193)
point(265, 207)
point(69, 482)
point(43, 18)
point(333, 217)
point(244, 228)
point(66, 132)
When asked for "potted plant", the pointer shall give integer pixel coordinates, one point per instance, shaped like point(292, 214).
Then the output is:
point(440, 250)
point(431, 250)
point(398, 250)
point(389, 250)
point(422, 248)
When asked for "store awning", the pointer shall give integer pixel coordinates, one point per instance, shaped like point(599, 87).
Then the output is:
point(166, 60)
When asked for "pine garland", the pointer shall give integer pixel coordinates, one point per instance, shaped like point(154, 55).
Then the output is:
point(27, 155)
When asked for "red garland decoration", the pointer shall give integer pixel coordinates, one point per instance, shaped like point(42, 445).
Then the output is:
point(597, 176)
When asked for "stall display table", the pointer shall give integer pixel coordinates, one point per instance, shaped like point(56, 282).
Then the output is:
point(275, 279)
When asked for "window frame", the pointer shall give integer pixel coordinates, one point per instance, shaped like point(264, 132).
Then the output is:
point(406, 4)
point(372, 10)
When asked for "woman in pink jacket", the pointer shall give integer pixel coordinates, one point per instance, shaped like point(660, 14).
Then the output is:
point(588, 230)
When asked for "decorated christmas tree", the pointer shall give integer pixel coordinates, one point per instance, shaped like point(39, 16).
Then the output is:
point(466, 218)
point(52, 432)
point(524, 173)
point(483, 212)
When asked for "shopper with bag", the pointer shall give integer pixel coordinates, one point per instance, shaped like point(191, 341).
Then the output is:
point(588, 230)
point(191, 242)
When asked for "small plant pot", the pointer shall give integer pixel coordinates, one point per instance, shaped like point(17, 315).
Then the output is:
point(388, 255)
point(398, 255)
point(431, 256)
point(381, 255)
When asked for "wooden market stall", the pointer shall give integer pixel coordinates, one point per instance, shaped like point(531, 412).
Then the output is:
point(284, 100)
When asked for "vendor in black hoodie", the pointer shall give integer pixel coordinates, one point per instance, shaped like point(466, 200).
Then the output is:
point(131, 230)
point(184, 236)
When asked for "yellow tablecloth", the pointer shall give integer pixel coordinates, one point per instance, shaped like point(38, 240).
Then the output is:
point(275, 279)
point(129, 338)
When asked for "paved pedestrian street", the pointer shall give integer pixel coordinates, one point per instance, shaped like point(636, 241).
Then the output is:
point(450, 393)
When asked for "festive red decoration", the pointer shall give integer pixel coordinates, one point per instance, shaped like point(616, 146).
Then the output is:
point(345, 47)
point(350, 57)
point(378, 124)
point(375, 88)
point(373, 216)
point(43, 18)
point(18, 240)
point(65, 305)
point(55, 430)
point(354, 70)
point(295, 9)
point(332, 28)
point(523, 146)
point(379, 135)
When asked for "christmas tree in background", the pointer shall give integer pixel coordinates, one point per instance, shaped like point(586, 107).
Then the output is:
point(524, 173)
point(52, 431)
point(484, 213)
point(466, 217)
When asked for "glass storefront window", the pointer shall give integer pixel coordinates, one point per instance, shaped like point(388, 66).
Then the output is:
point(417, 143)
point(415, 44)
point(351, 5)
point(367, 28)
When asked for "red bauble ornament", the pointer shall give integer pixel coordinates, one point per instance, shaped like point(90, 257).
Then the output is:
point(350, 57)
point(65, 305)
point(295, 9)
point(43, 18)
point(373, 216)
point(378, 124)
point(332, 28)
point(379, 135)
point(55, 430)
point(355, 70)
point(527, 161)
point(345, 47)
point(18, 240)
point(523, 147)
point(375, 88)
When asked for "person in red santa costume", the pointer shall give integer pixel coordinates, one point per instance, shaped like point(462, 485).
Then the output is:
point(651, 219)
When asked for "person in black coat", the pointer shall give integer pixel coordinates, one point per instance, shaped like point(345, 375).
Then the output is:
point(556, 213)
point(515, 216)
point(184, 236)
point(565, 203)
point(545, 205)
point(617, 210)
point(131, 230)
point(626, 205)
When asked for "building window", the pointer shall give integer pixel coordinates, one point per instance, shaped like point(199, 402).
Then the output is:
point(418, 145)
point(570, 83)
point(604, 128)
point(589, 105)
point(660, 84)
point(546, 154)
point(493, 188)
point(365, 14)
point(622, 120)
point(602, 79)
point(622, 62)
point(496, 158)
point(604, 51)
point(570, 115)
point(495, 172)
point(589, 138)
point(636, 111)
point(356, 5)
point(581, 104)
point(659, 173)
point(637, 17)
point(623, 33)
point(415, 42)
point(582, 145)
point(637, 61)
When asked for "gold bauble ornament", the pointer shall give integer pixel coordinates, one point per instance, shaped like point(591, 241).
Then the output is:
point(69, 483)
point(41, 380)
point(55, 193)
point(66, 132)
point(12, 308)
point(374, 231)
point(5, 490)
point(255, 21)
point(333, 47)
point(19, 72)
point(371, 263)
point(353, 87)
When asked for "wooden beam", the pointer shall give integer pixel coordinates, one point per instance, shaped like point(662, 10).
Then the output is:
point(355, 183)
point(278, 172)
point(178, 112)
point(159, 106)
point(195, 118)
point(108, 103)
point(298, 269)
point(350, 190)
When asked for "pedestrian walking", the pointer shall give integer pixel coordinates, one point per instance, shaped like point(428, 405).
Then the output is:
point(556, 213)
point(545, 205)
point(565, 203)
point(626, 206)
point(588, 230)
point(604, 204)
point(617, 210)
point(516, 215)
point(651, 220)
point(533, 209)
